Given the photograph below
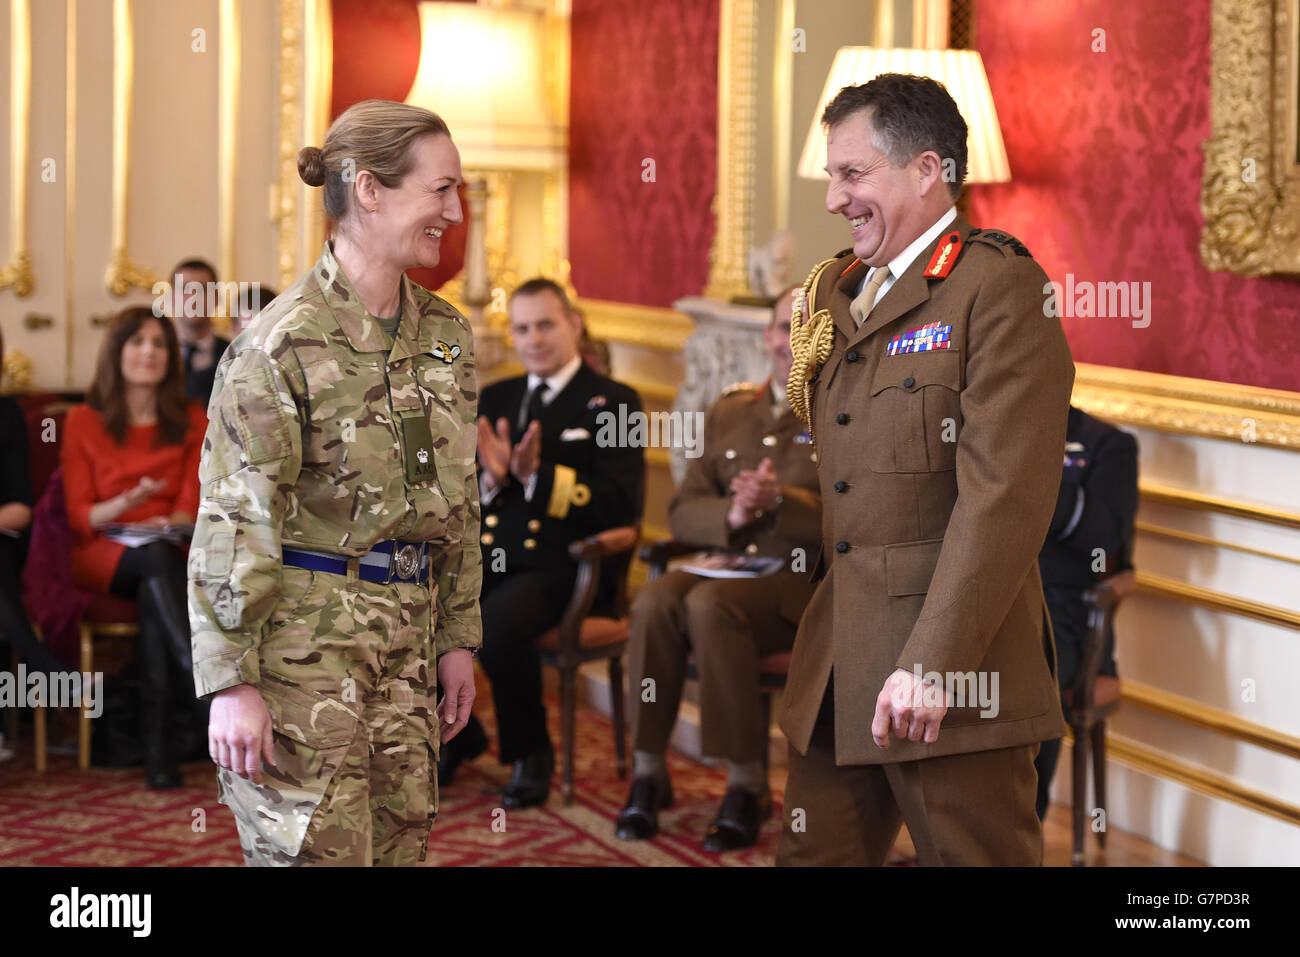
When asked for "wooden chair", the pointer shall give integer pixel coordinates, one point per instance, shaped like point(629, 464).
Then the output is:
point(107, 617)
point(581, 637)
point(772, 669)
point(1089, 702)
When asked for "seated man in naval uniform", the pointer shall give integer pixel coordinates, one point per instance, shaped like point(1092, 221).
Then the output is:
point(545, 480)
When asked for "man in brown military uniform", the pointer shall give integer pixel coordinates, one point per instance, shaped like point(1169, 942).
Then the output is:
point(938, 392)
point(754, 490)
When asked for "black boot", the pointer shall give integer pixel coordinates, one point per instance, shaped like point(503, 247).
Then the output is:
point(155, 684)
point(466, 746)
point(163, 598)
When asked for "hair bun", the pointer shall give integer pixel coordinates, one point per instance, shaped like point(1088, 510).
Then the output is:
point(311, 165)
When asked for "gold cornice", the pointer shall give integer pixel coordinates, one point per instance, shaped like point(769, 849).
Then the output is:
point(737, 122)
point(1219, 410)
point(1187, 498)
point(1212, 719)
point(17, 273)
point(123, 273)
point(652, 326)
point(1130, 752)
point(1162, 586)
point(1251, 221)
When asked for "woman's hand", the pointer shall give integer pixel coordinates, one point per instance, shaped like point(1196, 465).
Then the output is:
point(143, 491)
point(239, 732)
point(101, 513)
point(456, 676)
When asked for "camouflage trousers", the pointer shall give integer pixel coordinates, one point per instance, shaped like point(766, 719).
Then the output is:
point(349, 678)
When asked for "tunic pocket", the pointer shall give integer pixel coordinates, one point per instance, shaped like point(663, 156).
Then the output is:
point(915, 413)
point(312, 737)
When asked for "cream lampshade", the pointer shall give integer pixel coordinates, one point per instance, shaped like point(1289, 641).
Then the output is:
point(481, 70)
point(961, 71)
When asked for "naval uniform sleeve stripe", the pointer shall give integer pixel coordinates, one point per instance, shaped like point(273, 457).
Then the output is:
point(561, 491)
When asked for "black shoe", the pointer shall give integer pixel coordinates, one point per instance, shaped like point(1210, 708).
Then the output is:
point(530, 780)
point(639, 818)
point(739, 819)
point(466, 746)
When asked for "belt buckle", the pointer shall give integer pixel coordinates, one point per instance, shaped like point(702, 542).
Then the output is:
point(405, 561)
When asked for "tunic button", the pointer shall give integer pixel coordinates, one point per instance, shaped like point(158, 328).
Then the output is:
point(730, 453)
point(909, 382)
point(751, 549)
point(534, 525)
point(530, 543)
point(490, 521)
point(841, 486)
point(486, 538)
point(841, 547)
point(769, 440)
point(851, 355)
point(842, 418)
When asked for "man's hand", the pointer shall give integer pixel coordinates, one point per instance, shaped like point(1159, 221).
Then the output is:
point(909, 708)
point(527, 455)
point(494, 449)
point(456, 678)
point(757, 489)
point(239, 732)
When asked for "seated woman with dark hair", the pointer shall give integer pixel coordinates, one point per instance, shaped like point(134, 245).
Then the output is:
point(131, 457)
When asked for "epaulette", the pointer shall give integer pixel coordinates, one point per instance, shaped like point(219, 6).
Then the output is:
point(999, 240)
point(741, 387)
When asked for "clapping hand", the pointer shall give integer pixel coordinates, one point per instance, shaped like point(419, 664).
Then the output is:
point(494, 449)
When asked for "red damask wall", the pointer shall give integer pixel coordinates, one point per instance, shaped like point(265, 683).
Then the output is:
point(1105, 152)
point(643, 87)
point(376, 55)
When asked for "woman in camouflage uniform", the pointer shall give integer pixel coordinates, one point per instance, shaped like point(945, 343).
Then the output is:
point(336, 560)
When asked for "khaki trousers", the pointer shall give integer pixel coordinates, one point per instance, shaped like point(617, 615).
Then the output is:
point(729, 624)
point(962, 809)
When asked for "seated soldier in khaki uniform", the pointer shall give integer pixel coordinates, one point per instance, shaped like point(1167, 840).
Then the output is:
point(754, 490)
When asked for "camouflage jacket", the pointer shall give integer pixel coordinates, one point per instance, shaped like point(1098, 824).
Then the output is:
point(309, 424)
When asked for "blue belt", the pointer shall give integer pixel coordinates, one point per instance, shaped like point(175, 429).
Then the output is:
point(387, 562)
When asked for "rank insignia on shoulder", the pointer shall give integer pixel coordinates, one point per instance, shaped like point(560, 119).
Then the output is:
point(1005, 241)
point(945, 254)
point(446, 353)
point(741, 387)
point(597, 402)
point(922, 339)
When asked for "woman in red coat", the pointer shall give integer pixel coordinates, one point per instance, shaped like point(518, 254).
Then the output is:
point(131, 457)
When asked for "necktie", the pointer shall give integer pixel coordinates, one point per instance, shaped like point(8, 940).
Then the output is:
point(532, 408)
point(861, 306)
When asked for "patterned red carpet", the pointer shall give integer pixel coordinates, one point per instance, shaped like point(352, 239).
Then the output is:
point(108, 817)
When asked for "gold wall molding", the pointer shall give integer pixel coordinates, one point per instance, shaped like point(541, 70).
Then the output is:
point(1139, 756)
point(289, 133)
point(1187, 406)
point(733, 200)
point(1201, 501)
point(228, 56)
point(1222, 722)
point(70, 193)
point(652, 326)
point(17, 273)
point(1178, 534)
point(1152, 584)
point(1250, 190)
point(123, 273)
point(304, 81)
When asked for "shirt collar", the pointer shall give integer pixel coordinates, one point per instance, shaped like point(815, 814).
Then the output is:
point(363, 332)
point(898, 265)
point(555, 384)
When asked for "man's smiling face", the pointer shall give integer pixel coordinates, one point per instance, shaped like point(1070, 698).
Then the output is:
point(883, 204)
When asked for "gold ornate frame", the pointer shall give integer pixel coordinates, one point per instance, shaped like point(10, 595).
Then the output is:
point(1250, 192)
point(18, 271)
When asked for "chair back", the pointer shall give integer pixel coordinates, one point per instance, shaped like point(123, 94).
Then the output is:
point(53, 602)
